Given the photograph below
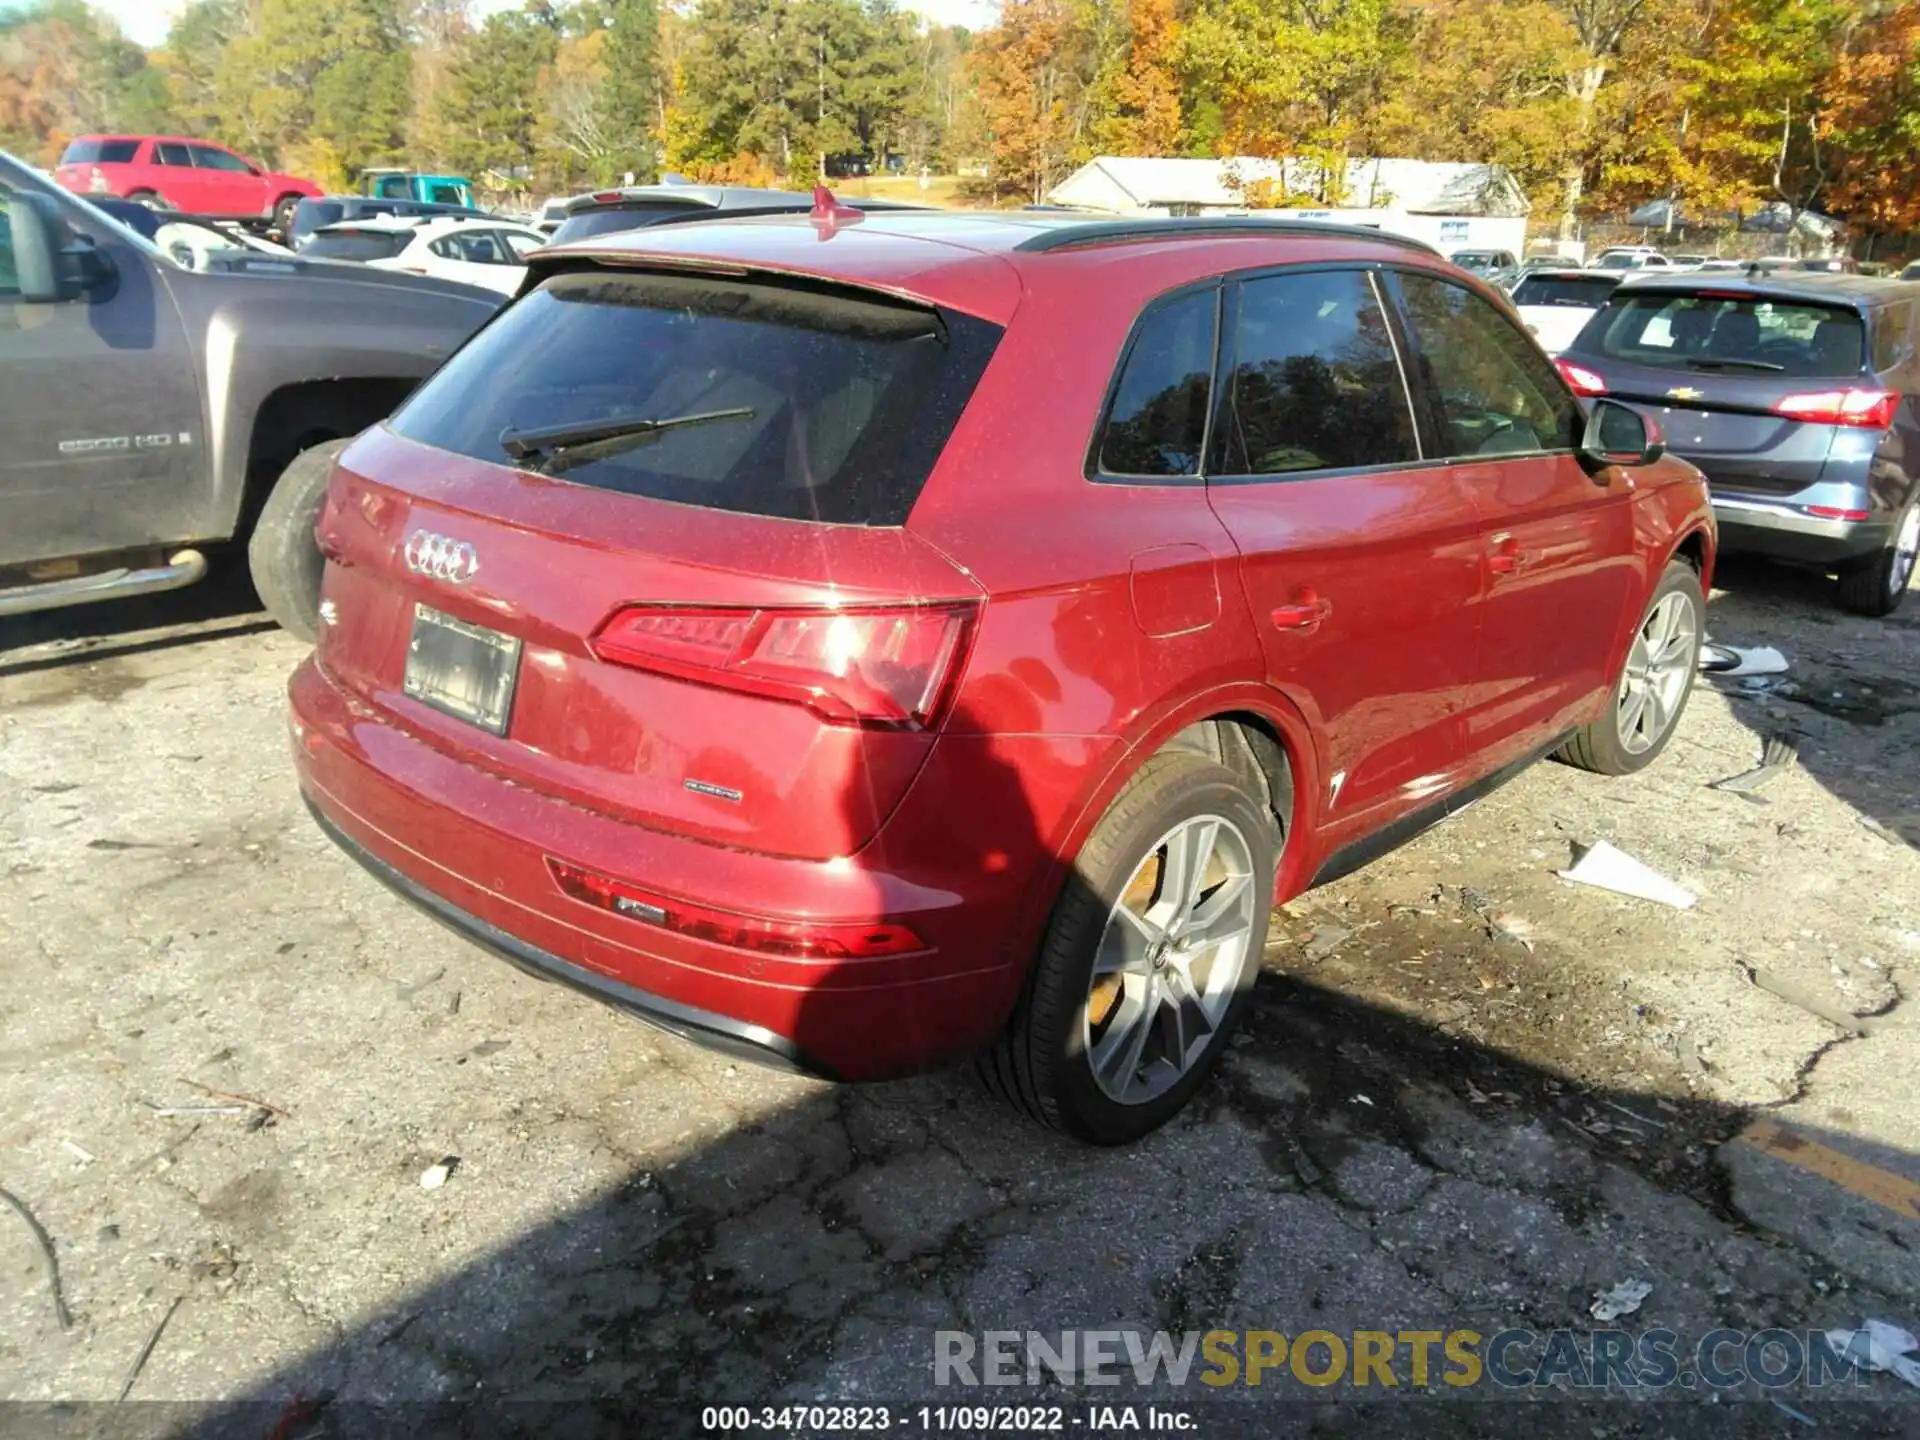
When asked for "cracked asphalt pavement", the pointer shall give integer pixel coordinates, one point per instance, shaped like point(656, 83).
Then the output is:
point(1472, 1096)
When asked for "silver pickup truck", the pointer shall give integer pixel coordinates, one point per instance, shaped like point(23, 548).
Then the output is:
point(152, 414)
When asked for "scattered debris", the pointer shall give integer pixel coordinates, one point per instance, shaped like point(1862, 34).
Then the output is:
point(1794, 994)
point(85, 1157)
point(1623, 1299)
point(48, 1261)
point(253, 1100)
point(1732, 662)
point(488, 1047)
point(146, 1350)
point(1512, 928)
point(437, 1174)
point(1793, 1414)
point(175, 1112)
point(1607, 868)
point(1880, 1346)
point(1776, 758)
point(1325, 940)
point(407, 992)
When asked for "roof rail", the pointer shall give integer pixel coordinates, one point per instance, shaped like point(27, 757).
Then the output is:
point(1160, 227)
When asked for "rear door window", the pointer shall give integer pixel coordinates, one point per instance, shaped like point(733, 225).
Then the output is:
point(1316, 384)
point(100, 152)
point(1494, 392)
point(168, 153)
point(1731, 332)
point(1157, 424)
point(828, 405)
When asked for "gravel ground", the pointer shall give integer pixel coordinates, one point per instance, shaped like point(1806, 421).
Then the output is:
point(1474, 1096)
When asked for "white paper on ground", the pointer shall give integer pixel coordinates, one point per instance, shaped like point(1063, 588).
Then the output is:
point(1754, 660)
point(1880, 1346)
point(1607, 868)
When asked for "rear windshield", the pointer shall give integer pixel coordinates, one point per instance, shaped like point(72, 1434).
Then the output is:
point(850, 399)
point(100, 152)
point(1587, 291)
point(1713, 333)
point(357, 245)
point(606, 219)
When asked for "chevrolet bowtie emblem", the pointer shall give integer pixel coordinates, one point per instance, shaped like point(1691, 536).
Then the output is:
point(1683, 392)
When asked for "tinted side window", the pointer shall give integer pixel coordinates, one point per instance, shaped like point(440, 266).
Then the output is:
point(208, 158)
point(1158, 422)
point(169, 154)
point(1315, 384)
point(1496, 393)
point(1893, 337)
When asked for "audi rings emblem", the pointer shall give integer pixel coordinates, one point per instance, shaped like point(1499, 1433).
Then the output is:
point(443, 558)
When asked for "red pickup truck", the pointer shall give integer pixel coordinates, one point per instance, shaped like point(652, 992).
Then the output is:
point(174, 173)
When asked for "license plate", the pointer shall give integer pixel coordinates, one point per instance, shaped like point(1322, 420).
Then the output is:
point(463, 670)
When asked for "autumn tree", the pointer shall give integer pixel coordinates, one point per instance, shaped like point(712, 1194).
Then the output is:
point(1024, 73)
point(1146, 114)
point(1871, 123)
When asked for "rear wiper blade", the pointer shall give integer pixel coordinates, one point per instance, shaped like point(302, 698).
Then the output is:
point(555, 447)
point(1715, 362)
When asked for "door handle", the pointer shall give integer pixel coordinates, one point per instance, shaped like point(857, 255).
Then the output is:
point(1304, 615)
point(1506, 557)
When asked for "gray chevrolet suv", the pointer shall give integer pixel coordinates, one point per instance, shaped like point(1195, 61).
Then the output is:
point(1797, 395)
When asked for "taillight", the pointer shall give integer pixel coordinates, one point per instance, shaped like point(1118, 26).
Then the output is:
point(1866, 409)
point(890, 666)
point(1582, 380)
point(1835, 512)
point(97, 181)
point(800, 939)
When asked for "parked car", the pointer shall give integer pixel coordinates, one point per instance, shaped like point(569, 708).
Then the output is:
point(742, 628)
point(1632, 257)
point(451, 190)
point(1831, 264)
point(193, 243)
point(1912, 272)
point(488, 253)
point(149, 411)
point(637, 206)
point(312, 215)
point(1556, 304)
point(551, 214)
point(1482, 262)
point(1796, 394)
point(174, 173)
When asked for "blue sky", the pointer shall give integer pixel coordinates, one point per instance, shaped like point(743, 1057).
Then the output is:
point(146, 20)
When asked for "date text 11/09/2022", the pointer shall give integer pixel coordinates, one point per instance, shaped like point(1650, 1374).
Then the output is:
point(948, 1419)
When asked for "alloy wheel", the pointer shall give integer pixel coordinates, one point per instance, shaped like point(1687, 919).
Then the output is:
point(1659, 667)
point(1170, 959)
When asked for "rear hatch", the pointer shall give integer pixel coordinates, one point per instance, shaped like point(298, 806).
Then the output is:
point(718, 627)
point(1748, 386)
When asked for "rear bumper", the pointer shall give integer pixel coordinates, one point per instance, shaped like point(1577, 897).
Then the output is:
point(472, 850)
point(1782, 531)
point(715, 1032)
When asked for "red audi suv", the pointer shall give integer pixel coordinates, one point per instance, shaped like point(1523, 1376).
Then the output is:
point(875, 643)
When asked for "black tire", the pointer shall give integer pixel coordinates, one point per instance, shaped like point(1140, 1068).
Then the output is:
point(1040, 1063)
point(1600, 747)
point(282, 554)
point(1878, 585)
point(283, 214)
point(151, 199)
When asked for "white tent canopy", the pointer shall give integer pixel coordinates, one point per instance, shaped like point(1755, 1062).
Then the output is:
point(1136, 185)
